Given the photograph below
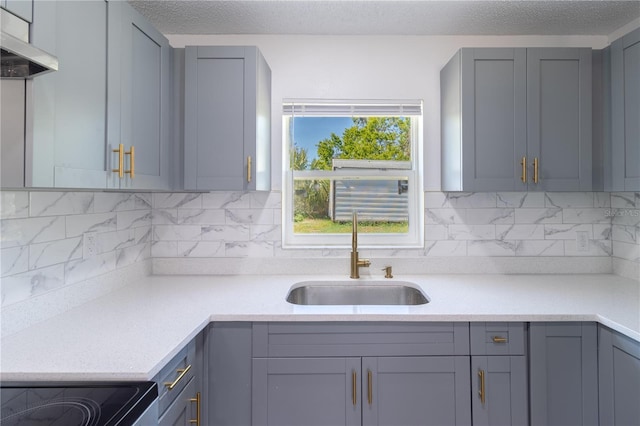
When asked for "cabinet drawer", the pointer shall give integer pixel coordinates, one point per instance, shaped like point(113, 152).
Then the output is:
point(360, 339)
point(497, 338)
point(183, 410)
point(183, 365)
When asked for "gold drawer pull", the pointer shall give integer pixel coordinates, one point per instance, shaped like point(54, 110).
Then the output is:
point(354, 388)
point(370, 387)
point(132, 154)
point(535, 170)
point(182, 371)
point(120, 168)
point(249, 169)
point(498, 339)
point(523, 163)
point(197, 401)
point(481, 393)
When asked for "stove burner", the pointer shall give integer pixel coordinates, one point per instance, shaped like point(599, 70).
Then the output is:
point(70, 412)
point(75, 404)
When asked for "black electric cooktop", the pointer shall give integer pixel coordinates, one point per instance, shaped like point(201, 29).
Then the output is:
point(74, 403)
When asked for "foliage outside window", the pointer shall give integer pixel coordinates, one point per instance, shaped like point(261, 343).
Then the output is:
point(345, 157)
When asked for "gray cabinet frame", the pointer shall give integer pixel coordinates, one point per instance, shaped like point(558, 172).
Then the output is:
point(619, 378)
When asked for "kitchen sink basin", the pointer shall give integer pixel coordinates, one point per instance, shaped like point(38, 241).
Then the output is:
point(356, 293)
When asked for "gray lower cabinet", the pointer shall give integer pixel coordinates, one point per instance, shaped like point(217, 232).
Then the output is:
point(306, 391)
point(360, 374)
point(428, 390)
point(499, 390)
point(563, 364)
point(181, 395)
point(619, 378)
point(624, 164)
point(361, 391)
point(227, 119)
point(139, 102)
point(499, 393)
point(517, 119)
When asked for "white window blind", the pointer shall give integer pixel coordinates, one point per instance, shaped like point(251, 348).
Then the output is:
point(309, 108)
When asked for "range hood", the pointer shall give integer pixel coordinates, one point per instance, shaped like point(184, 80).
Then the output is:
point(18, 58)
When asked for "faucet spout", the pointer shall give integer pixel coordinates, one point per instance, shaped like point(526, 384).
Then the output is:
point(356, 262)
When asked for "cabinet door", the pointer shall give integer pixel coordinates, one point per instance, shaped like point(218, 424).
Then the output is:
point(227, 119)
point(68, 146)
point(183, 409)
point(416, 391)
point(619, 370)
point(559, 118)
point(306, 391)
point(139, 99)
point(499, 395)
point(493, 95)
point(625, 105)
point(563, 374)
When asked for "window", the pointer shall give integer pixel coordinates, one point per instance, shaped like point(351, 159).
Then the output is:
point(343, 157)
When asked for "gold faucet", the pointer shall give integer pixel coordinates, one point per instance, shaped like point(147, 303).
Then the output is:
point(355, 262)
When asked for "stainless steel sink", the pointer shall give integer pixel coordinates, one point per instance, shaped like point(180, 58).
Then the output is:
point(356, 293)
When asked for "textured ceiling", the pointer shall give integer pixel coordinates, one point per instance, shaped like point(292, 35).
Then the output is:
point(389, 17)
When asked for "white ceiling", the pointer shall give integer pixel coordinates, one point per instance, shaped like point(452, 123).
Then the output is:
point(389, 17)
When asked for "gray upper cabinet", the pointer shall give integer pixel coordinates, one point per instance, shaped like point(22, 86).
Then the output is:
point(619, 374)
point(139, 101)
point(67, 144)
point(516, 119)
point(563, 364)
point(559, 118)
point(622, 170)
point(483, 95)
point(227, 119)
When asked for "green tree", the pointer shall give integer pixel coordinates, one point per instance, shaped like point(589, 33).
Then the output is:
point(371, 138)
point(299, 158)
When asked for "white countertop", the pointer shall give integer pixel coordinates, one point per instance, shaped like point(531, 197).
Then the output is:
point(131, 333)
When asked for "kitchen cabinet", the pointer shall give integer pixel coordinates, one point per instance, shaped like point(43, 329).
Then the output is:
point(352, 374)
point(517, 119)
point(619, 378)
point(139, 102)
point(66, 145)
point(499, 374)
point(367, 391)
point(227, 119)
point(180, 384)
point(20, 8)
point(622, 171)
point(563, 364)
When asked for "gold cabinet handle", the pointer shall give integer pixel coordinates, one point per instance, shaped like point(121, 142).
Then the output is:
point(120, 169)
point(132, 157)
point(499, 339)
point(182, 372)
point(370, 387)
point(197, 401)
point(481, 393)
point(354, 388)
point(249, 169)
point(523, 163)
point(535, 170)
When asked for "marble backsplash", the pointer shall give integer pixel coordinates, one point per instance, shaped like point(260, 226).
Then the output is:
point(43, 239)
point(43, 248)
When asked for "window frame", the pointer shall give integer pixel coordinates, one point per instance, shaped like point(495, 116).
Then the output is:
point(414, 238)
